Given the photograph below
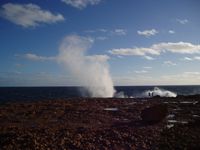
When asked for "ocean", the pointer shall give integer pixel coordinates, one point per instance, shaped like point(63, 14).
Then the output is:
point(41, 93)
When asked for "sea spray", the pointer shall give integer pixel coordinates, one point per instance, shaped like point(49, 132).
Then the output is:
point(120, 95)
point(159, 92)
point(90, 71)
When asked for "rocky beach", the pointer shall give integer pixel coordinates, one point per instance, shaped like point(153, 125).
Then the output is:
point(101, 123)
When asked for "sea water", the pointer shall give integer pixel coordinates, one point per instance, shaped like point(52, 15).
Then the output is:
point(39, 93)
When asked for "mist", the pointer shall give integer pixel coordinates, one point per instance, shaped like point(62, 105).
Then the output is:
point(90, 71)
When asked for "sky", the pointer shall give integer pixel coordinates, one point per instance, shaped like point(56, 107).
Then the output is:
point(144, 42)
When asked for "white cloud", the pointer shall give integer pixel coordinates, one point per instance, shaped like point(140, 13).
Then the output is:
point(34, 57)
point(149, 58)
point(104, 34)
point(197, 57)
point(171, 32)
point(141, 71)
point(148, 33)
point(179, 47)
point(187, 59)
point(119, 32)
point(182, 21)
point(80, 4)
point(87, 44)
point(90, 31)
point(101, 38)
point(28, 15)
point(157, 49)
point(96, 30)
point(191, 58)
point(103, 30)
point(170, 63)
point(134, 51)
point(147, 67)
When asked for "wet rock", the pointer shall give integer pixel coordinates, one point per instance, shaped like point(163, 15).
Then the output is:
point(155, 113)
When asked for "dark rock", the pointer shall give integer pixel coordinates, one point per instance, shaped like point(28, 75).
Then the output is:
point(81, 130)
point(82, 124)
point(155, 113)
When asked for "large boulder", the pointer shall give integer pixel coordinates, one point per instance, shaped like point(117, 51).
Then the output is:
point(155, 113)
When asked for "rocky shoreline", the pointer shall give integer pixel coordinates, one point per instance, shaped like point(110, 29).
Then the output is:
point(104, 124)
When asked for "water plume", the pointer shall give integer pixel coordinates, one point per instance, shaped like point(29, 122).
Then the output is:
point(90, 71)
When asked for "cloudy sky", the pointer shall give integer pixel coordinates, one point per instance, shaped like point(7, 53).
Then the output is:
point(146, 42)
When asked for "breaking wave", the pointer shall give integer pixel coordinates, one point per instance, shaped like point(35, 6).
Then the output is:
point(159, 92)
point(148, 93)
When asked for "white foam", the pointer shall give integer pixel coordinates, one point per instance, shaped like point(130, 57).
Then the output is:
point(175, 121)
point(189, 102)
point(183, 122)
point(132, 103)
point(170, 126)
point(120, 95)
point(170, 102)
point(177, 109)
point(172, 121)
point(186, 102)
point(159, 92)
point(170, 116)
point(195, 116)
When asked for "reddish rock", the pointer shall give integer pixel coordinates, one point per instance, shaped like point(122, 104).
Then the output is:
point(76, 124)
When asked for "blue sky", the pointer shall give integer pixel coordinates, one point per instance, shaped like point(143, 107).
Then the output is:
point(148, 42)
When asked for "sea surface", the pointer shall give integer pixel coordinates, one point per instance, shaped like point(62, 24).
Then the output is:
point(40, 93)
